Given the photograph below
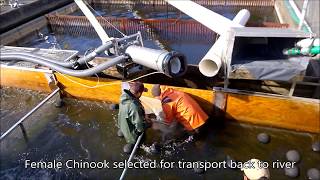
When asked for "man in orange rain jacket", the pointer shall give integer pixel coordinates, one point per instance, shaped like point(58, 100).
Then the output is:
point(180, 106)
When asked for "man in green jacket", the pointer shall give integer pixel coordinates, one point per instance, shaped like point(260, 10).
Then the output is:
point(131, 117)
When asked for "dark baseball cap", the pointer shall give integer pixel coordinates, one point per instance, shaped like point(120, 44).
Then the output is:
point(137, 87)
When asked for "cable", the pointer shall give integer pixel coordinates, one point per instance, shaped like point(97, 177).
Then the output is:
point(96, 12)
point(89, 67)
point(98, 81)
point(102, 85)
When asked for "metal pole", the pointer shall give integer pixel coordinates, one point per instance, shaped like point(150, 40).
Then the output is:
point(131, 156)
point(303, 14)
point(28, 114)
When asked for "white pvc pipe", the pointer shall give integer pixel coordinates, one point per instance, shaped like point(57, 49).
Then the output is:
point(211, 62)
point(241, 18)
point(94, 22)
point(150, 58)
point(210, 19)
point(155, 59)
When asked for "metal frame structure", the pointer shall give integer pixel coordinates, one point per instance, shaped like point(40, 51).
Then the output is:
point(260, 32)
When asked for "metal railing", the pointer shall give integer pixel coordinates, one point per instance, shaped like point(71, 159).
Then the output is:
point(131, 156)
point(19, 123)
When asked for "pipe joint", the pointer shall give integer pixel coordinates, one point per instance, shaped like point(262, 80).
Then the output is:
point(174, 64)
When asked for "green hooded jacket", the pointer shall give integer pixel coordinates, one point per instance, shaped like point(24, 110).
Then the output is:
point(130, 117)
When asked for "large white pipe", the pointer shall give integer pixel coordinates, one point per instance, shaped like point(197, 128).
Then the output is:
point(94, 22)
point(211, 62)
point(170, 63)
point(241, 18)
point(210, 19)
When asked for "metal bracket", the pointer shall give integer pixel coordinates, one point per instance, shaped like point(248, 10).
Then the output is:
point(50, 78)
point(53, 82)
point(120, 45)
point(220, 102)
point(293, 87)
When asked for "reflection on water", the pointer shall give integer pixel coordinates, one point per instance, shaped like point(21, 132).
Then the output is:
point(14, 105)
point(86, 131)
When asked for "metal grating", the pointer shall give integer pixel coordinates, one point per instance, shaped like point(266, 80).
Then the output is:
point(207, 3)
point(166, 29)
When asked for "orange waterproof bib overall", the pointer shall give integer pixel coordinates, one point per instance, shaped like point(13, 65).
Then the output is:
point(183, 108)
